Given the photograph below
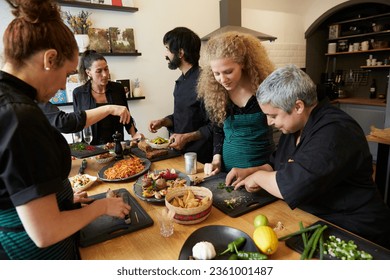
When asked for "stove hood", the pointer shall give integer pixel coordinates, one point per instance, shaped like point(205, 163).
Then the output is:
point(230, 20)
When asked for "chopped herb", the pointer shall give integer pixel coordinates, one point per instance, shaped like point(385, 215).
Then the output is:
point(341, 249)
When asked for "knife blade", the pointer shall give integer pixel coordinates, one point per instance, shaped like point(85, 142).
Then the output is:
point(83, 166)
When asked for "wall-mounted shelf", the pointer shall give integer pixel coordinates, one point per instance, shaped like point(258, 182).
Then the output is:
point(71, 104)
point(87, 5)
point(375, 67)
point(363, 18)
point(120, 54)
point(361, 35)
point(368, 51)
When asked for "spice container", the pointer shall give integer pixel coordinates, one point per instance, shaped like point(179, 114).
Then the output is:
point(190, 163)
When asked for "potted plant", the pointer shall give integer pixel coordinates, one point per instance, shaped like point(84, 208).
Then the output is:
point(79, 24)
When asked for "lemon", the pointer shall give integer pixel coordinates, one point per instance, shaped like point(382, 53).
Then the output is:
point(265, 239)
point(260, 220)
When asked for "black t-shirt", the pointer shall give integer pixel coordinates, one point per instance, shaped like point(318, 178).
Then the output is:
point(190, 115)
point(35, 161)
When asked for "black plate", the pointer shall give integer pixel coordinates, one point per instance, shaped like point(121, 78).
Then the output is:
point(101, 175)
point(376, 251)
point(220, 237)
point(107, 227)
point(245, 201)
point(137, 187)
point(86, 153)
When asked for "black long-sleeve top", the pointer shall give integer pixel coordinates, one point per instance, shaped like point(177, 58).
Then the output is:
point(115, 94)
point(63, 121)
point(189, 115)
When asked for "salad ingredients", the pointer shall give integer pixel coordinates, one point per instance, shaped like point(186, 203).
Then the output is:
point(237, 243)
point(203, 250)
point(341, 249)
point(260, 220)
point(242, 255)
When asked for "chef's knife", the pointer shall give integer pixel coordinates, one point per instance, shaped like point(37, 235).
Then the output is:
point(83, 166)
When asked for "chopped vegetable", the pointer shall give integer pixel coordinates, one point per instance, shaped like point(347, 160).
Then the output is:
point(341, 249)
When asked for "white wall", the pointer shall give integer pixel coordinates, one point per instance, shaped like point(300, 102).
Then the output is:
point(285, 19)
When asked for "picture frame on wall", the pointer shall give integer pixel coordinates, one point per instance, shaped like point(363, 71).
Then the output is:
point(122, 40)
point(99, 40)
point(127, 86)
point(334, 31)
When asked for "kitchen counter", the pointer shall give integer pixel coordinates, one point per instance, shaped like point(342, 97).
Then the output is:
point(148, 244)
point(361, 101)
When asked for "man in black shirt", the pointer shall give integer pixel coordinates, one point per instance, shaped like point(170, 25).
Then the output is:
point(189, 127)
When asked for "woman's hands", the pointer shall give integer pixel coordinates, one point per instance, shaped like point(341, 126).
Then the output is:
point(115, 206)
point(214, 167)
point(81, 197)
point(122, 112)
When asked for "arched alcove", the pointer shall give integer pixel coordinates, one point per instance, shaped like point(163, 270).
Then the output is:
point(317, 37)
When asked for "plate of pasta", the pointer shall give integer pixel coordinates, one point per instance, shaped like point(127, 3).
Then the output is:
point(124, 169)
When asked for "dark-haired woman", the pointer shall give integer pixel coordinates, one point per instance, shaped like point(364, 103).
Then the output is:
point(38, 219)
point(98, 91)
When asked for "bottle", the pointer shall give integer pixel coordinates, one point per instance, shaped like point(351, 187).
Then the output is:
point(373, 89)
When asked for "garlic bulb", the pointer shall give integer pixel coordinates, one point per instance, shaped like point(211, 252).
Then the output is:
point(203, 250)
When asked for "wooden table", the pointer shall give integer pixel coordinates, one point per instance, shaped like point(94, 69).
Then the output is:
point(148, 244)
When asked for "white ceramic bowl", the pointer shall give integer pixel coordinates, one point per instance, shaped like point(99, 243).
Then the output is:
point(157, 146)
point(81, 182)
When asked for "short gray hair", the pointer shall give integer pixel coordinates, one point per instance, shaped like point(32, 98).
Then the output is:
point(283, 87)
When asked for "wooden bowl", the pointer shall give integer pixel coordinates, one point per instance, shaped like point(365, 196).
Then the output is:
point(190, 215)
point(104, 158)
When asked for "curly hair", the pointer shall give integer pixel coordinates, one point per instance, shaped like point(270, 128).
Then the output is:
point(243, 49)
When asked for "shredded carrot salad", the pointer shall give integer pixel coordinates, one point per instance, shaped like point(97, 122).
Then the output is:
point(124, 168)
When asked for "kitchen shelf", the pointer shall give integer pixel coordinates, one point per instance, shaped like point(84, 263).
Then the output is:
point(360, 35)
point(358, 52)
point(87, 5)
point(362, 19)
point(120, 54)
point(71, 103)
point(375, 67)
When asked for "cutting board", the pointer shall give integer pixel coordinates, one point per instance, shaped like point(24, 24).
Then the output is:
point(108, 227)
point(376, 251)
point(244, 201)
point(171, 154)
point(93, 151)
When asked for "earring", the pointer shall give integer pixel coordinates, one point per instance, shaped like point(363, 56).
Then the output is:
point(47, 68)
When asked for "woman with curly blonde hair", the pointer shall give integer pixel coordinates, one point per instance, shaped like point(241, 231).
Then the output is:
point(236, 64)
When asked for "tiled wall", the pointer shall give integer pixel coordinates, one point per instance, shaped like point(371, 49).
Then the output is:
point(282, 54)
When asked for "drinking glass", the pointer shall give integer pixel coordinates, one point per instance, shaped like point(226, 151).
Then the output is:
point(87, 132)
point(77, 137)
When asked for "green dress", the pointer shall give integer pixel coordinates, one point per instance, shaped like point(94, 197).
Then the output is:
point(248, 141)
